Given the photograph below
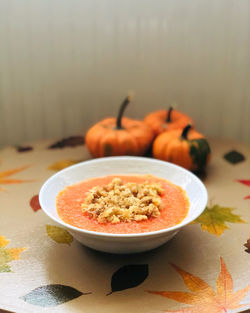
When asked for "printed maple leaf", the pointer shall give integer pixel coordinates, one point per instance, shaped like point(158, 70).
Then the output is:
point(213, 219)
point(203, 298)
point(4, 180)
point(7, 254)
point(247, 245)
point(244, 182)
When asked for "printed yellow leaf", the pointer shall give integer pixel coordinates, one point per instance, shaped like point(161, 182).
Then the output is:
point(59, 234)
point(213, 220)
point(59, 165)
point(203, 298)
point(15, 252)
point(5, 180)
point(7, 255)
point(3, 241)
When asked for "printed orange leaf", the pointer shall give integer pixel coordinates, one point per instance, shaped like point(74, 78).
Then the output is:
point(13, 171)
point(213, 219)
point(5, 174)
point(197, 309)
point(237, 297)
point(34, 203)
point(183, 297)
point(224, 284)
point(203, 298)
point(194, 283)
point(13, 181)
point(7, 255)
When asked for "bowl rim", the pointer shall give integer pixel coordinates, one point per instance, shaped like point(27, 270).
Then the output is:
point(114, 235)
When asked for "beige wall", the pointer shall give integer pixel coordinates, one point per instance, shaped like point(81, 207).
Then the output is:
point(64, 64)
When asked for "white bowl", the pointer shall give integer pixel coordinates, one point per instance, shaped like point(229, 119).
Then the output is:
point(124, 243)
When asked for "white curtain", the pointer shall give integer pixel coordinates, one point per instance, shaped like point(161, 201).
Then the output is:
point(65, 64)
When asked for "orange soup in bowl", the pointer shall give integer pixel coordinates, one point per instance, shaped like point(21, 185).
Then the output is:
point(122, 204)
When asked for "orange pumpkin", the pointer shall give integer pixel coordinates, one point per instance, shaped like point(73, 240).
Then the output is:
point(185, 147)
point(119, 136)
point(163, 120)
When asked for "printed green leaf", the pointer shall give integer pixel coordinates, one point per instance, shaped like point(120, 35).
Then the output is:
point(59, 234)
point(4, 268)
point(5, 257)
point(234, 157)
point(24, 148)
point(214, 219)
point(52, 295)
point(128, 276)
point(72, 141)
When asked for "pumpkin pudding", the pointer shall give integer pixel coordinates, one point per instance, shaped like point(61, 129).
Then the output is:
point(123, 204)
point(117, 202)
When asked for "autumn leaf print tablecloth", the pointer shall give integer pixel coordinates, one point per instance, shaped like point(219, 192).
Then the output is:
point(204, 269)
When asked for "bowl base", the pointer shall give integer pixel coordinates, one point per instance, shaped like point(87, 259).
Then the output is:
point(124, 247)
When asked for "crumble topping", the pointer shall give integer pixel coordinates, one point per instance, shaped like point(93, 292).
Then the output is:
point(117, 202)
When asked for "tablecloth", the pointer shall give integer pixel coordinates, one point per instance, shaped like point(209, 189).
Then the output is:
point(204, 268)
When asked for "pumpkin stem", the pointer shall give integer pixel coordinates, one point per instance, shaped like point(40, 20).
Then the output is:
point(121, 111)
point(168, 119)
point(185, 131)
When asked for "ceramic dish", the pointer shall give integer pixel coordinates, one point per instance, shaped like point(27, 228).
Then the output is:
point(124, 243)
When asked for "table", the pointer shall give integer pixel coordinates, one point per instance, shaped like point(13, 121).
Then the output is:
point(43, 269)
